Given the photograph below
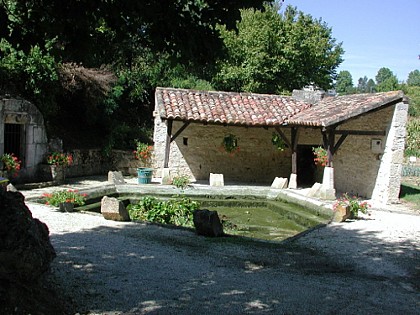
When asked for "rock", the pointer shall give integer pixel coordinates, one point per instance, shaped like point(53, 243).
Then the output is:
point(279, 183)
point(25, 248)
point(207, 223)
point(114, 209)
point(116, 177)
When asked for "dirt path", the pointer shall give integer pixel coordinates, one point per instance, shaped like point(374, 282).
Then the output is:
point(364, 267)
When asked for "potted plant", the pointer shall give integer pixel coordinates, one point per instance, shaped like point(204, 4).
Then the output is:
point(58, 162)
point(64, 199)
point(321, 156)
point(230, 144)
point(143, 153)
point(11, 165)
point(278, 141)
point(348, 207)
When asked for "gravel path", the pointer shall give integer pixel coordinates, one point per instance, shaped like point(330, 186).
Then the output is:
point(368, 266)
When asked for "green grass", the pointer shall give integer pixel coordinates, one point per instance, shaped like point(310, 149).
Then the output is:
point(410, 193)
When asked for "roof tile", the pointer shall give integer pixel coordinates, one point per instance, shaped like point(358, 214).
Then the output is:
point(250, 109)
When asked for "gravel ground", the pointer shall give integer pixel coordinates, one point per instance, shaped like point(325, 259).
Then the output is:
point(367, 266)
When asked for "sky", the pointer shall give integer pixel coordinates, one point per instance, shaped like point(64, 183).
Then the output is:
point(374, 33)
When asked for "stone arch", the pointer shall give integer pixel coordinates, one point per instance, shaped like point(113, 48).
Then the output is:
point(22, 129)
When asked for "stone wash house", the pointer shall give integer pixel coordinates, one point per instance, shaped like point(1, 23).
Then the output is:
point(364, 135)
point(22, 132)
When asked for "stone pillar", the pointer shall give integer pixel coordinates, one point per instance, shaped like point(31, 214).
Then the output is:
point(328, 190)
point(293, 181)
point(387, 186)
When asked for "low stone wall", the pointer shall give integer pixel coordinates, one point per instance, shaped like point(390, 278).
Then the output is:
point(93, 162)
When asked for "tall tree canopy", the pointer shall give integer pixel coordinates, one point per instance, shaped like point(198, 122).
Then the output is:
point(95, 32)
point(272, 52)
point(413, 78)
point(386, 80)
point(344, 83)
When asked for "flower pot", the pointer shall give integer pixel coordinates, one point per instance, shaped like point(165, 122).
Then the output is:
point(144, 175)
point(341, 213)
point(66, 207)
point(58, 173)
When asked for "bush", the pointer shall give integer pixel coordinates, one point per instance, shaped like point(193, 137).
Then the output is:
point(57, 197)
point(178, 211)
point(181, 181)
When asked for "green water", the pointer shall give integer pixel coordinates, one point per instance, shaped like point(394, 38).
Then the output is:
point(259, 222)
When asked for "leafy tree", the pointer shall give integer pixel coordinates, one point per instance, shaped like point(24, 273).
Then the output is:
point(96, 32)
point(344, 83)
point(370, 86)
point(414, 78)
point(32, 74)
point(386, 80)
point(383, 74)
point(362, 85)
point(273, 52)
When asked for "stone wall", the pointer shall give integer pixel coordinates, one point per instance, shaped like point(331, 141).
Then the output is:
point(387, 186)
point(94, 162)
point(356, 163)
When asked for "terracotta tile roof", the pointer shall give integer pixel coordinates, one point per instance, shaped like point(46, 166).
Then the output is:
point(250, 109)
point(227, 107)
point(332, 110)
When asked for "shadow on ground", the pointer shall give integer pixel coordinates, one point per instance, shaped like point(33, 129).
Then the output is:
point(149, 269)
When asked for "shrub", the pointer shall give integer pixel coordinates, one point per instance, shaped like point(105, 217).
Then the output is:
point(177, 211)
point(181, 181)
point(57, 197)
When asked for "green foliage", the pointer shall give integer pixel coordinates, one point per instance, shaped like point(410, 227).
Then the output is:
point(178, 211)
point(413, 93)
point(414, 78)
point(230, 143)
point(386, 80)
point(278, 141)
point(412, 141)
point(344, 83)
point(181, 181)
point(32, 74)
point(272, 52)
point(354, 203)
point(411, 193)
point(57, 197)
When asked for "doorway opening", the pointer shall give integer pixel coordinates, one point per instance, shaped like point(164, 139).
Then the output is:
point(306, 168)
point(13, 140)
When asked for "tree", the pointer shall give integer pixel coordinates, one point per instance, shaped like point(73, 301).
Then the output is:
point(414, 78)
point(344, 83)
point(272, 52)
point(97, 32)
point(362, 85)
point(370, 86)
point(386, 80)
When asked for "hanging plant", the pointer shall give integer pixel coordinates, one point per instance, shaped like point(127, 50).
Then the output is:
point(278, 142)
point(230, 144)
point(321, 156)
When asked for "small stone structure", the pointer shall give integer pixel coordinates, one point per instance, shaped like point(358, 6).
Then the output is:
point(23, 133)
point(364, 131)
point(114, 209)
point(216, 180)
point(116, 178)
point(279, 183)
